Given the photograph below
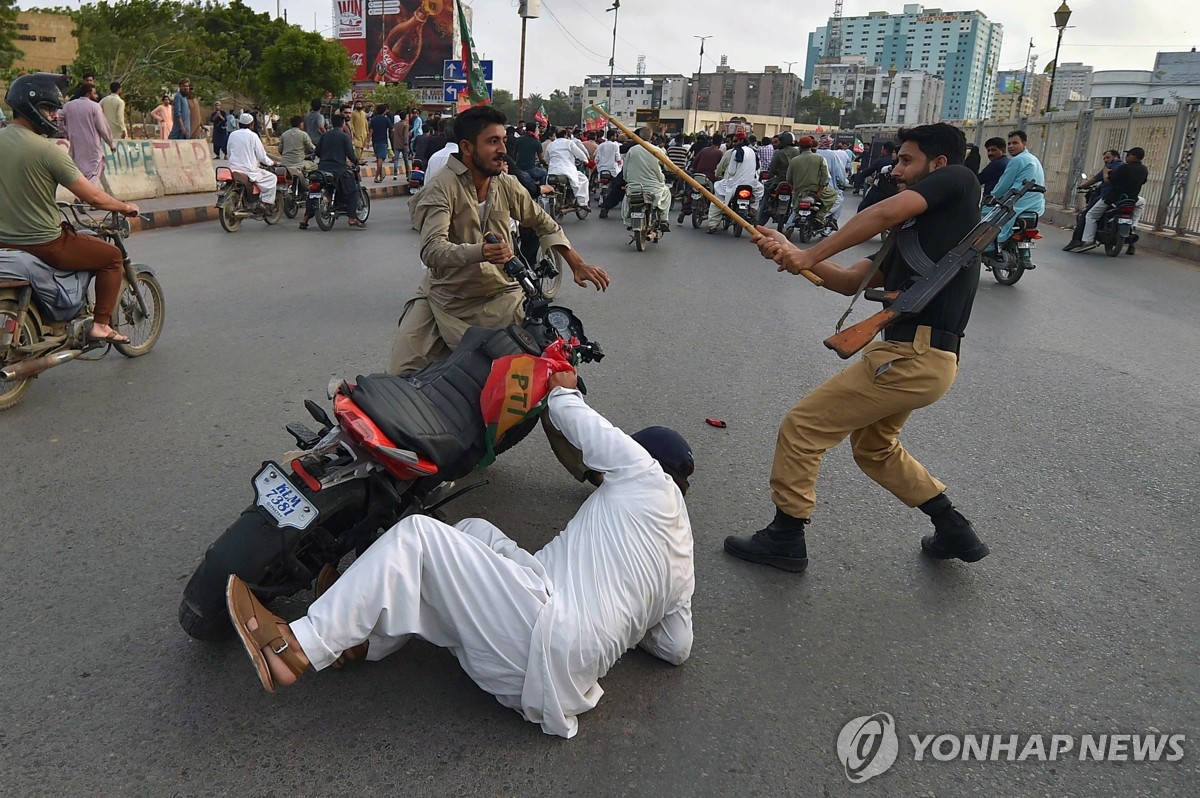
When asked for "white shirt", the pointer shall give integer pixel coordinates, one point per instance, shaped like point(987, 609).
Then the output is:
point(622, 573)
point(608, 157)
point(246, 151)
point(561, 155)
point(837, 167)
point(437, 161)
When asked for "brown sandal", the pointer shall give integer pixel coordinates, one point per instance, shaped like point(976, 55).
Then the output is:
point(325, 579)
point(244, 606)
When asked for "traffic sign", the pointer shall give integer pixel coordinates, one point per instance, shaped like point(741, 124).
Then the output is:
point(452, 71)
point(450, 91)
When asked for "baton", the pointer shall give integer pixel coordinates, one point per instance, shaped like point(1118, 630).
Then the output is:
point(691, 181)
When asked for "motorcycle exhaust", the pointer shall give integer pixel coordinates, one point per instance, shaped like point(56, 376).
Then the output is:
point(31, 368)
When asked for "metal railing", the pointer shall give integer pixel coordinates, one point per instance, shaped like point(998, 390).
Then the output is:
point(1071, 143)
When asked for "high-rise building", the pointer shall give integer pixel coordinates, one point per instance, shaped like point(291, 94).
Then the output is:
point(771, 92)
point(961, 47)
point(916, 100)
point(1071, 78)
point(632, 93)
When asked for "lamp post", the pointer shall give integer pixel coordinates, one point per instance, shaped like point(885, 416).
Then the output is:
point(1061, 17)
point(696, 88)
point(786, 85)
point(612, 61)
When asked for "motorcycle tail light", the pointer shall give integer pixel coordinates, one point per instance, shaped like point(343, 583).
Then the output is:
point(744, 194)
point(1127, 213)
point(1033, 234)
point(314, 186)
point(362, 429)
point(804, 206)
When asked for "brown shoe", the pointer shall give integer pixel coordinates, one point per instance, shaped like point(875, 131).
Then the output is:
point(244, 607)
point(325, 579)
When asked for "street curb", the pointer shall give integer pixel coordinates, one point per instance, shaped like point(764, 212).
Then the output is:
point(177, 217)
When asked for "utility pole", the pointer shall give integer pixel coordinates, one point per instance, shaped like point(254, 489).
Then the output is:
point(1024, 83)
point(529, 9)
point(696, 88)
point(612, 60)
point(783, 108)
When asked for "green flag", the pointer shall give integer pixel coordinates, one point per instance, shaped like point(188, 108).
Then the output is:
point(476, 85)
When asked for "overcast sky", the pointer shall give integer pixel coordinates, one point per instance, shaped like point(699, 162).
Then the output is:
point(1108, 34)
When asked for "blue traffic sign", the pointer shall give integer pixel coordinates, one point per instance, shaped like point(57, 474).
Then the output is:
point(453, 71)
point(450, 91)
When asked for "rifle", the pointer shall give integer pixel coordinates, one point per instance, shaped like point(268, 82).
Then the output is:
point(912, 300)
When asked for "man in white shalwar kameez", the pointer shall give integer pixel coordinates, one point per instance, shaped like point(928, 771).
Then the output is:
point(740, 164)
point(246, 154)
point(561, 154)
point(536, 631)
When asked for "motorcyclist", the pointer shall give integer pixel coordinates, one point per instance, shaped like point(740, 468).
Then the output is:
point(886, 158)
point(704, 162)
point(337, 155)
point(837, 177)
point(31, 170)
point(246, 155)
point(990, 175)
point(644, 172)
point(1123, 183)
point(1112, 160)
point(738, 167)
point(808, 173)
point(1022, 166)
point(778, 167)
point(562, 152)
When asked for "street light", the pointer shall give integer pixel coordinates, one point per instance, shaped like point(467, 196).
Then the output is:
point(696, 88)
point(1061, 17)
point(787, 84)
point(612, 61)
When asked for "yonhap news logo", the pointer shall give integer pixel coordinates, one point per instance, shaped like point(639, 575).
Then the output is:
point(869, 745)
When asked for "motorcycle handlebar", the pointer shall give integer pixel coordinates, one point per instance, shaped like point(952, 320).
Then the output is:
point(515, 268)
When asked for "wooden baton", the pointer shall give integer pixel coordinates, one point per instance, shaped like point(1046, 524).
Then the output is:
point(691, 181)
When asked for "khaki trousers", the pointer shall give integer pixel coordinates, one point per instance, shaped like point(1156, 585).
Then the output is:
point(869, 401)
point(427, 334)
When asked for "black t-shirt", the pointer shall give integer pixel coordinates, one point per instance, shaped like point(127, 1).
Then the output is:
point(527, 151)
point(1127, 181)
point(381, 128)
point(333, 150)
point(952, 194)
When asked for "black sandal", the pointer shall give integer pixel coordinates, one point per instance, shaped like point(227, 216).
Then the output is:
point(304, 225)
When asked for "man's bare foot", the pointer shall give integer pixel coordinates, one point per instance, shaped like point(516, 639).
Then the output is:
point(280, 673)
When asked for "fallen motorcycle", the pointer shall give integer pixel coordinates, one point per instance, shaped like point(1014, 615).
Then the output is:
point(45, 314)
point(393, 447)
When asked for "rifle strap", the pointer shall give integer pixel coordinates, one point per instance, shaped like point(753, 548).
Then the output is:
point(877, 261)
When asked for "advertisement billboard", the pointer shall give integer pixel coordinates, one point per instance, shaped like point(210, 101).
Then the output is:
point(395, 40)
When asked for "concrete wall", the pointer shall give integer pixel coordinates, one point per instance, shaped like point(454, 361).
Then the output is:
point(141, 169)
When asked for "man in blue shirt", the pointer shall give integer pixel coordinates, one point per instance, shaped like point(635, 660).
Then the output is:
point(990, 175)
point(183, 114)
point(1022, 166)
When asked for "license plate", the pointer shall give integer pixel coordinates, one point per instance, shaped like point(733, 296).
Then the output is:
point(695, 195)
point(1024, 245)
point(743, 205)
point(785, 198)
point(636, 215)
point(1125, 221)
point(280, 498)
point(805, 213)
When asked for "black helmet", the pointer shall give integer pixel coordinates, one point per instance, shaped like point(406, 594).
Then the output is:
point(786, 139)
point(29, 93)
point(671, 451)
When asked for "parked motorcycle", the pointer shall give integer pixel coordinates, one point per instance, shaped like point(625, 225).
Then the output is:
point(45, 314)
point(643, 216)
point(743, 197)
point(237, 198)
point(326, 204)
point(563, 199)
point(393, 447)
point(1008, 261)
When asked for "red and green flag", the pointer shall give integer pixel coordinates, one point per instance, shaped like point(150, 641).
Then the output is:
point(592, 119)
point(477, 91)
point(541, 117)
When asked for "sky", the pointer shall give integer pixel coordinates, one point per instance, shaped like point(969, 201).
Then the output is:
point(573, 38)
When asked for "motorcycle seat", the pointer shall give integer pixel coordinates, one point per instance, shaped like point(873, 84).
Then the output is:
point(435, 411)
point(1027, 219)
point(244, 180)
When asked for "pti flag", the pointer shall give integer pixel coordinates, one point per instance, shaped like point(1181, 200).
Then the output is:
point(592, 119)
point(541, 117)
point(476, 85)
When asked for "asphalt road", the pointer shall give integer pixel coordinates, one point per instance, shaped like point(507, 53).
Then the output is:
point(1071, 439)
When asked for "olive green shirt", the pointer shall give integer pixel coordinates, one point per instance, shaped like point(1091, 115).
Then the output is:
point(31, 170)
point(447, 214)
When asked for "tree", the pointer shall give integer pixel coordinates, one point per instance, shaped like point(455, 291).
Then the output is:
point(560, 110)
point(301, 65)
point(818, 107)
point(865, 113)
point(396, 96)
point(238, 37)
point(505, 103)
point(8, 34)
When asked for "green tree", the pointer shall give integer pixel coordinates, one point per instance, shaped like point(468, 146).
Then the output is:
point(560, 110)
point(238, 37)
point(301, 65)
point(865, 113)
point(504, 102)
point(397, 96)
point(8, 34)
point(818, 107)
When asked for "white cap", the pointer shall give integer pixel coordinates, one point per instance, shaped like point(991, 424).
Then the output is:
point(246, 119)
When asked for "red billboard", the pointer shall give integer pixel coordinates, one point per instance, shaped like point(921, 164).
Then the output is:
point(395, 40)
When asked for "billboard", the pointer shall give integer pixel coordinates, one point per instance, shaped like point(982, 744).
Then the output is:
point(393, 41)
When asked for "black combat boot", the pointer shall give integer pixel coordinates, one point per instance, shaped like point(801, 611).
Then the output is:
point(953, 537)
point(780, 543)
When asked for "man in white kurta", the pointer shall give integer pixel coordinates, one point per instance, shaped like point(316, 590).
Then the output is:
point(608, 155)
point(644, 174)
point(561, 154)
point(536, 631)
point(740, 163)
point(246, 154)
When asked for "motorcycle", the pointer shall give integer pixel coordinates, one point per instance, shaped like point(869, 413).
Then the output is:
point(700, 202)
point(1115, 228)
point(563, 199)
point(416, 176)
point(602, 183)
point(782, 206)
point(324, 202)
point(45, 314)
point(743, 197)
point(295, 193)
point(237, 198)
point(644, 217)
point(807, 223)
point(1008, 261)
point(393, 447)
